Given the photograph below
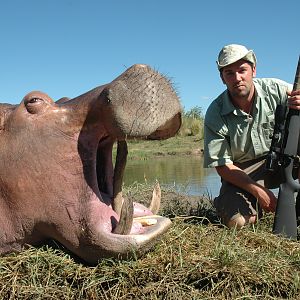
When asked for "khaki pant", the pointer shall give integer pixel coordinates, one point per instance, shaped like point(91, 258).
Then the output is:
point(233, 200)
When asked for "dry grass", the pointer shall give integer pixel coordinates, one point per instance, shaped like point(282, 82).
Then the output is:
point(197, 259)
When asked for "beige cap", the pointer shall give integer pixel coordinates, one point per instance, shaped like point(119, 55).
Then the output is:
point(232, 53)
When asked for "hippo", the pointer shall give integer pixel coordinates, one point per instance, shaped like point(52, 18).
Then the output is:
point(59, 180)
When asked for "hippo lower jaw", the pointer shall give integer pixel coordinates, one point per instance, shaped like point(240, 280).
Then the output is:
point(108, 245)
point(124, 220)
point(141, 243)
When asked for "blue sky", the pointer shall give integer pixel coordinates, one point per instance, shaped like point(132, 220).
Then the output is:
point(67, 47)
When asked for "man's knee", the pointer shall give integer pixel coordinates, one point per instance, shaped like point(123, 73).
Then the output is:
point(239, 221)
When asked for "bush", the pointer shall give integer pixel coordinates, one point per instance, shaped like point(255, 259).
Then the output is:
point(192, 123)
point(191, 127)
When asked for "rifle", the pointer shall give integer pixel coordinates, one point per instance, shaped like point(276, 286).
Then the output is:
point(283, 156)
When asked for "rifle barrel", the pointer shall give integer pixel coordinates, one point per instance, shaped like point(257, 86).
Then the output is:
point(285, 221)
point(297, 77)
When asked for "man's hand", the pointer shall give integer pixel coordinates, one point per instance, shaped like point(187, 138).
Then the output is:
point(294, 99)
point(266, 199)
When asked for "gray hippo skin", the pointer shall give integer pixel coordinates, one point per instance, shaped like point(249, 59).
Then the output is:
point(57, 179)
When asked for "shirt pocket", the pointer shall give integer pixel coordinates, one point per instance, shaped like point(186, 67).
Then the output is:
point(267, 129)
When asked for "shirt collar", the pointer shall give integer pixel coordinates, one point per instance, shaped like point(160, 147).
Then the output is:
point(228, 107)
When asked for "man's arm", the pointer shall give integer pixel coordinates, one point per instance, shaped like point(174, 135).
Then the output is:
point(239, 178)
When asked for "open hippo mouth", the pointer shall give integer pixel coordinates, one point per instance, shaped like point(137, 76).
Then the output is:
point(58, 179)
point(135, 106)
point(110, 189)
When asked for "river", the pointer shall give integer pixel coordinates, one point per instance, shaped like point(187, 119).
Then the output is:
point(185, 174)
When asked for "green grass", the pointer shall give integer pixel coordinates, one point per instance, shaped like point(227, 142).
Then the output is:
point(197, 259)
point(178, 145)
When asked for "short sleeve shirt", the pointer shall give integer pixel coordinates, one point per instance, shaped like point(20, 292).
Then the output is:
point(230, 135)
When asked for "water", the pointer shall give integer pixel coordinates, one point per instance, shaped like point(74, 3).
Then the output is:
point(185, 174)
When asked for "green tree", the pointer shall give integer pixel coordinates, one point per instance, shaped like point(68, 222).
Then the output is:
point(194, 113)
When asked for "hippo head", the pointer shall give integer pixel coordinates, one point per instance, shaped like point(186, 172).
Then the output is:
point(57, 176)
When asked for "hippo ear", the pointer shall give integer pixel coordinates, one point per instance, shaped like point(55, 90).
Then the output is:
point(1, 120)
point(63, 100)
point(5, 110)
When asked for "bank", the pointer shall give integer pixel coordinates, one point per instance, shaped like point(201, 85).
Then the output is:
point(178, 145)
point(196, 259)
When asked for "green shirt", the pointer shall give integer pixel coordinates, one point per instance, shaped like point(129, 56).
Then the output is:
point(231, 135)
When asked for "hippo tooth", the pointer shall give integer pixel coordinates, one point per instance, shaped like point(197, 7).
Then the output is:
point(126, 217)
point(121, 160)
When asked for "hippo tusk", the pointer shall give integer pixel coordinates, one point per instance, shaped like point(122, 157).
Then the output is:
point(121, 160)
point(156, 198)
point(117, 202)
point(126, 217)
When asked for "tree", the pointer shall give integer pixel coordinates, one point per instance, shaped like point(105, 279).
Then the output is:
point(194, 113)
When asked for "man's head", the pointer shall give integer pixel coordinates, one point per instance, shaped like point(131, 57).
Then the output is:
point(237, 66)
point(232, 53)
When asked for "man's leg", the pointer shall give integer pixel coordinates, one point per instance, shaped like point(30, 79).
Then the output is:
point(241, 221)
point(237, 207)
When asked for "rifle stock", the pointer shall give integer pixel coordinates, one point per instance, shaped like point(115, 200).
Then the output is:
point(285, 220)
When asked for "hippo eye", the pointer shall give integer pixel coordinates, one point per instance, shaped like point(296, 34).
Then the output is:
point(33, 104)
point(34, 100)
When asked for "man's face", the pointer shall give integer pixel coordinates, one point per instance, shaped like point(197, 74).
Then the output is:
point(238, 78)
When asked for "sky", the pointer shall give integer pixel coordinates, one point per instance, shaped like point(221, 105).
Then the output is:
point(68, 47)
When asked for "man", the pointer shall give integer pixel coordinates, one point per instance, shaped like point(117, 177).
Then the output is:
point(237, 136)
